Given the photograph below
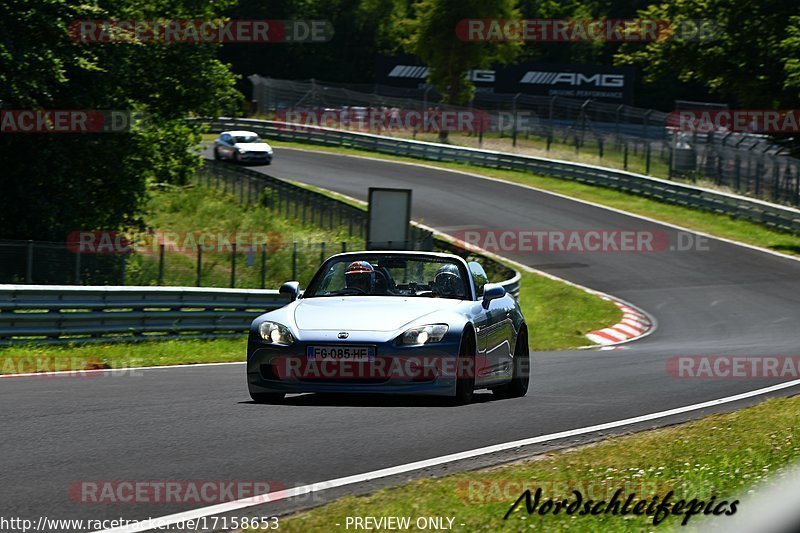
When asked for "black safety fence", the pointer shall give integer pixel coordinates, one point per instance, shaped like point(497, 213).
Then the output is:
point(616, 136)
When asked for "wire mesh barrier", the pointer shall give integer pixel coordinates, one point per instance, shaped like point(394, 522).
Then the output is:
point(610, 135)
point(751, 209)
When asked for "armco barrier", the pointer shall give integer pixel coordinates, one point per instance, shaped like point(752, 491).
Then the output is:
point(53, 313)
point(776, 216)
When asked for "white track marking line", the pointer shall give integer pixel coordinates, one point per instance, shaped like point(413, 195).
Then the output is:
point(146, 525)
point(78, 373)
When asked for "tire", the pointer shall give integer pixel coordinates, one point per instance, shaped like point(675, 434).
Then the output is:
point(520, 378)
point(465, 375)
point(267, 397)
point(217, 157)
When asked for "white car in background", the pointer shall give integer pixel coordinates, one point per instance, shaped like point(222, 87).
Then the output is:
point(242, 147)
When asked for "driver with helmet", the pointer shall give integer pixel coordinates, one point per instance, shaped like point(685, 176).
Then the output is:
point(360, 276)
point(447, 282)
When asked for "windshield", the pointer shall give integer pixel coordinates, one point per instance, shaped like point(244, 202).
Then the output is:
point(386, 275)
point(246, 139)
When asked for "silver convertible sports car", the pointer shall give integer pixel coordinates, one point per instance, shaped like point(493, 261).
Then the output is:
point(391, 322)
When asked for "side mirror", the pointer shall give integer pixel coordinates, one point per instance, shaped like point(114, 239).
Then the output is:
point(292, 289)
point(492, 291)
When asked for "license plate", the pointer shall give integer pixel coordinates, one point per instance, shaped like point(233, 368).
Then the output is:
point(341, 353)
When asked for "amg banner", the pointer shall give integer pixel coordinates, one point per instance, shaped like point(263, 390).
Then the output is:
point(599, 82)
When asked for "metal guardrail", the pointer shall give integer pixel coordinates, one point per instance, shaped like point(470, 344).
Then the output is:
point(63, 313)
point(750, 209)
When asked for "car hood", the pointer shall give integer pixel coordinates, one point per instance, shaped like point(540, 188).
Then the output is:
point(365, 313)
point(254, 147)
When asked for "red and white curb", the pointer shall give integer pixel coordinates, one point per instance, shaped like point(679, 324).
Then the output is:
point(634, 324)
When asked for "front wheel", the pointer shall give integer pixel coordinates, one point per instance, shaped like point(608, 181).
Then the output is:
point(465, 373)
point(267, 397)
point(520, 379)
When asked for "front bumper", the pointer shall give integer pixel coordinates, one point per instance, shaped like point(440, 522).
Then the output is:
point(255, 156)
point(427, 369)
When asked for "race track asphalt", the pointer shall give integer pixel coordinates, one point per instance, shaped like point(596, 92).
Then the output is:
point(198, 423)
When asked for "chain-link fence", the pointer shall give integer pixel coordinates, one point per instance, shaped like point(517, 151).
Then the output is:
point(616, 136)
point(108, 259)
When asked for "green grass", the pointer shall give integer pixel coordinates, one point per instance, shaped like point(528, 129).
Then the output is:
point(723, 455)
point(208, 211)
point(74, 357)
point(711, 223)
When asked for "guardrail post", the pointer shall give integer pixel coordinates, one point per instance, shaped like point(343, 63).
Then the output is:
point(29, 263)
point(233, 265)
point(161, 264)
point(322, 253)
point(199, 266)
point(647, 158)
point(344, 246)
point(294, 260)
point(625, 156)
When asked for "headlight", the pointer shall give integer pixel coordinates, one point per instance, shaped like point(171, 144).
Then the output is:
point(274, 333)
point(423, 334)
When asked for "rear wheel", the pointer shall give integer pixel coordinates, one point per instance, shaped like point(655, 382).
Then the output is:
point(518, 386)
point(217, 157)
point(465, 376)
point(267, 397)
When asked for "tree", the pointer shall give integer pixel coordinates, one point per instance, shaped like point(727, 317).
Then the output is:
point(54, 183)
point(432, 37)
point(750, 61)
